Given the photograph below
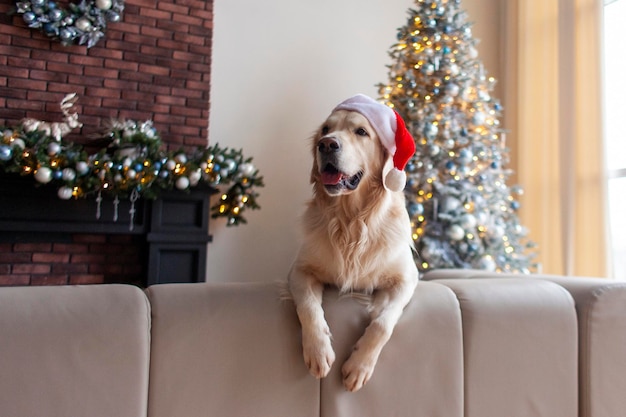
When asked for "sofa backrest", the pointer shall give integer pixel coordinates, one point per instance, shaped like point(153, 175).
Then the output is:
point(235, 350)
point(420, 370)
point(227, 350)
point(601, 312)
point(520, 347)
point(76, 351)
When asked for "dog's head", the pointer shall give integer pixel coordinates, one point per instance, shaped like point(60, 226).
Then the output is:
point(346, 153)
point(361, 141)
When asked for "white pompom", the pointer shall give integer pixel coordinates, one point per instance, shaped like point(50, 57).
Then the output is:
point(395, 180)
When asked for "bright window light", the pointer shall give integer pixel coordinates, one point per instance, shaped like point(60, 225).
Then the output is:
point(615, 129)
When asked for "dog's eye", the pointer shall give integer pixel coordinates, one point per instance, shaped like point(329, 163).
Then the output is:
point(361, 132)
point(324, 130)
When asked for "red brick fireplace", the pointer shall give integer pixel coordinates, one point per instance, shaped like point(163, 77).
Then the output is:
point(153, 64)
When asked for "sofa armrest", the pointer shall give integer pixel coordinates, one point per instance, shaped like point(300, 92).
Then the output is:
point(601, 309)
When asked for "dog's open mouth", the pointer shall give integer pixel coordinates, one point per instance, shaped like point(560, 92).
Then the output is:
point(333, 179)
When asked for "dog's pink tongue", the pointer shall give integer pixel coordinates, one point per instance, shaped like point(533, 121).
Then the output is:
point(330, 178)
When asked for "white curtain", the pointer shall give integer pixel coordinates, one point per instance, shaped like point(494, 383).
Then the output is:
point(553, 95)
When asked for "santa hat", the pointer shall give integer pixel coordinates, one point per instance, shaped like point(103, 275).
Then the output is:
point(392, 133)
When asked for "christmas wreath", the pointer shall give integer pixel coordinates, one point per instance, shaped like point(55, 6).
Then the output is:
point(82, 23)
point(131, 165)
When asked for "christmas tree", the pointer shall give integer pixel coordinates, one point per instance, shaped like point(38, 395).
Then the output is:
point(462, 211)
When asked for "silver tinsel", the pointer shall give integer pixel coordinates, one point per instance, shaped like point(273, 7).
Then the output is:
point(463, 213)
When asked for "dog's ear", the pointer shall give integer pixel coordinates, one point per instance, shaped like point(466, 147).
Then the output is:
point(314, 171)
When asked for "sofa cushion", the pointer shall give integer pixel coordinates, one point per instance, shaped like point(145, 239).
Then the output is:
point(74, 351)
point(601, 311)
point(420, 369)
point(227, 350)
point(520, 347)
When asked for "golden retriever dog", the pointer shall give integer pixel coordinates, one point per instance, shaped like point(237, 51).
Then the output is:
point(357, 233)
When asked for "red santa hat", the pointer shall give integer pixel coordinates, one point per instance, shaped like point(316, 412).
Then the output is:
point(392, 133)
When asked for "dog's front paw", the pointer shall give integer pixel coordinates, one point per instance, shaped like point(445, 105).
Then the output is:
point(318, 354)
point(357, 370)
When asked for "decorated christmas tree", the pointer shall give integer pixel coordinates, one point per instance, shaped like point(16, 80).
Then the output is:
point(463, 213)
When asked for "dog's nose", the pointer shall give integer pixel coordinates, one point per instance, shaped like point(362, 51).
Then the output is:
point(328, 145)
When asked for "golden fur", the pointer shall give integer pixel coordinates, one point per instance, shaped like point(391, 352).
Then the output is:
point(357, 236)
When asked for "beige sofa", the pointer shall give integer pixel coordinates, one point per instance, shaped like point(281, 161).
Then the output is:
point(488, 346)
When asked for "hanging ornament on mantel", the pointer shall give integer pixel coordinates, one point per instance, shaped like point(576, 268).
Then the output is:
point(83, 23)
point(132, 166)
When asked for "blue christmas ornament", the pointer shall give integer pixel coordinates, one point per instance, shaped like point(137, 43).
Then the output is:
point(55, 15)
point(29, 17)
point(5, 153)
point(446, 50)
point(51, 5)
point(66, 34)
point(113, 16)
point(465, 156)
point(57, 175)
point(430, 130)
point(138, 167)
point(515, 205)
point(50, 28)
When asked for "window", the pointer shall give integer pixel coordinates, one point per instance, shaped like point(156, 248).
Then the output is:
point(615, 129)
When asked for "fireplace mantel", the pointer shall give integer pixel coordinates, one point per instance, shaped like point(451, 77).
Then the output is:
point(175, 225)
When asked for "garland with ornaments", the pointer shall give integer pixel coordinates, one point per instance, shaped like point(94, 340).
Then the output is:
point(83, 23)
point(133, 165)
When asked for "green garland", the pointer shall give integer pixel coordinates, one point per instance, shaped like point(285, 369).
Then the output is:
point(132, 164)
point(83, 23)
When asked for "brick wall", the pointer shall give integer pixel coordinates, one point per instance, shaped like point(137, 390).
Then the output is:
point(154, 64)
point(81, 259)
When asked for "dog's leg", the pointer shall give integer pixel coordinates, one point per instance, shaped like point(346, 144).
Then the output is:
point(387, 307)
point(307, 295)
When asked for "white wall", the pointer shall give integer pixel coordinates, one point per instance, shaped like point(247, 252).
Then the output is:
point(278, 68)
